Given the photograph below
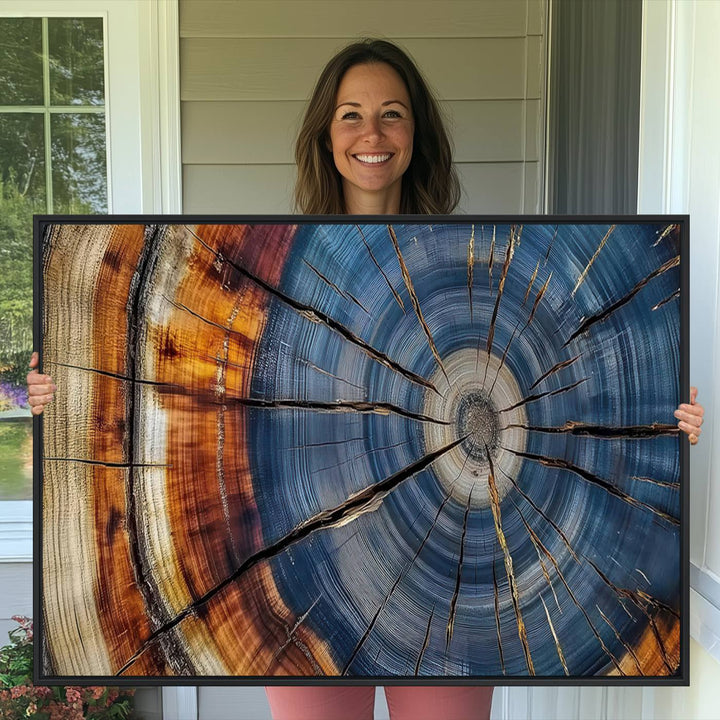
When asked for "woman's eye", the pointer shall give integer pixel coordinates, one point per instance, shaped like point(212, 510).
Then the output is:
point(350, 115)
point(392, 114)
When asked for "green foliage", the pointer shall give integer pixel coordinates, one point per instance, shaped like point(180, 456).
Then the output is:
point(16, 459)
point(20, 698)
point(16, 281)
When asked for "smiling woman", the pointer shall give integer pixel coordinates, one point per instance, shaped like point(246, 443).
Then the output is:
point(371, 100)
point(371, 137)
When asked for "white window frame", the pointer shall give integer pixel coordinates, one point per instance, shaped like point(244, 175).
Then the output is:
point(142, 102)
point(679, 172)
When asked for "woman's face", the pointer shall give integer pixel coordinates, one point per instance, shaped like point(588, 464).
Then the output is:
point(371, 137)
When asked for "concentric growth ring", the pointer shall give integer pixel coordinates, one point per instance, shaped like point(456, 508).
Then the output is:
point(478, 405)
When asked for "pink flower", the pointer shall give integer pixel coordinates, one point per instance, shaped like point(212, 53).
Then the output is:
point(97, 692)
point(73, 695)
point(18, 691)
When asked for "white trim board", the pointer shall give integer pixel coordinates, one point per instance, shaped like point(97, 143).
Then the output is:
point(679, 172)
point(142, 96)
point(16, 531)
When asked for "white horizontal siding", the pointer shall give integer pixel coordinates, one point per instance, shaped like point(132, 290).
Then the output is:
point(267, 189)
point(226, 132)
point(279, 68)
point(16, 580)
point(248, 67)
point(333, 18)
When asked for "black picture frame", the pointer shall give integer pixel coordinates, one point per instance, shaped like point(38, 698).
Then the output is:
point(44, 225)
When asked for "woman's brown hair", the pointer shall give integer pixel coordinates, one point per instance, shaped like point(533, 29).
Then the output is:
point(430, 184)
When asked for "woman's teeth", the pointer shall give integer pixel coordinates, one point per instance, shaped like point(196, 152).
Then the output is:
point(373, 158)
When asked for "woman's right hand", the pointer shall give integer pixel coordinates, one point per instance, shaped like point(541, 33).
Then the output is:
point(40, 387)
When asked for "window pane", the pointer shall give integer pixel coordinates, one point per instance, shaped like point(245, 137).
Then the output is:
point(22, 193)
point(76, 61)
point(22, 161)
point(21, 81)
point(15, 458)
point(78, 163)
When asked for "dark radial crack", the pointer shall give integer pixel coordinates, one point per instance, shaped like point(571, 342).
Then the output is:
point(106, 373)
point(426, 642)
point(584, 273)
point(102, 463)
point(534, 539)
point(497, 615)
point(604, 431)
point(379, 408)
point(458, 578)
point(640, 599)
point(202, 318)
point(604, 314)
point(558, 647)
point(314, 315)
point(667, 660)
point(628, 648)
point(531, 283)
point(538, 298)
point(415, 301)
point(290, 632)
point(491, 259)
point(593, 479)
point(574, 599)
point(501, 286)
point(542, 514)
point(397, 297)
point(470, 265)
point(661, 483)
point(504, 356)
point(667, 231)
point(552, 241)
point(327, 442)
point(349, 510)
point(404, 572)
point(515, 594)
point(335, 288)
point(329, 374)
point(668, 299)
point(538, 396)
point(554, 369)
point(363, 454)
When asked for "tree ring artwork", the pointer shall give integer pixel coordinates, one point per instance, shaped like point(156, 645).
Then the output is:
point(411, 449)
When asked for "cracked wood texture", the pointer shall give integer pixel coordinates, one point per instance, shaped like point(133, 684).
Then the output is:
point(361, 451)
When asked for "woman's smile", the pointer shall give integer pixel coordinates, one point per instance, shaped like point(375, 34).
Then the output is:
point(371, 137)
point(373, 159)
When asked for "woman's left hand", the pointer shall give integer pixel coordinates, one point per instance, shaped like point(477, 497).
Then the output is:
point(690, 417)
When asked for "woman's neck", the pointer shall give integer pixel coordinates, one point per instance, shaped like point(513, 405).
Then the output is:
point(358, 202)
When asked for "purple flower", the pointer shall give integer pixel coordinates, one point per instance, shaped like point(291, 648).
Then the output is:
point(12, 396)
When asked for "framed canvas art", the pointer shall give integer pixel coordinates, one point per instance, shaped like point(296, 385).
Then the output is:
point(362, 450)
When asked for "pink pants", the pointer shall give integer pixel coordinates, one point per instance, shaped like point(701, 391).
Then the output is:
point(356, 703)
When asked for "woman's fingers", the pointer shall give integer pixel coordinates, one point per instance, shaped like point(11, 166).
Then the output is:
point(690, 417)
point(40, 387)
point(690, 413)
